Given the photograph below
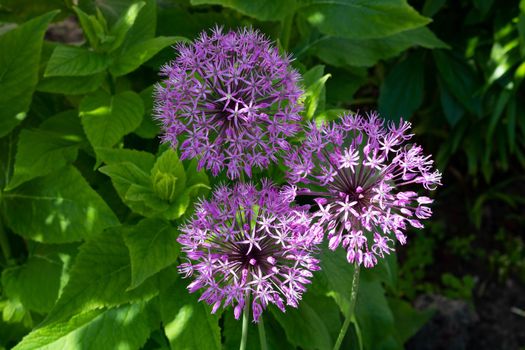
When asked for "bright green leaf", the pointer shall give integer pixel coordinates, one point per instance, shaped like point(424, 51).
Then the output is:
point(92, 28)
point(99, 278)
point(124, 327)
point(143, 160)
point(168, 176)
point(75, 61)
point(359, 19)
point(60, 207)
point(124, 23)
point(138, 53)
point(20, 50)
point(41, 152)
point(315, 90)
point(152, 245)
point(272, 10)
point(106, 119)
point(188, 323)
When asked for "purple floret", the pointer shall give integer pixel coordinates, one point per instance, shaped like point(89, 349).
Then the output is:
point(231, 100)
point(249, 245)
point(364, 177)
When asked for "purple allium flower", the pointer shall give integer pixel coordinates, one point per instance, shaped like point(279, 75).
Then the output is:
point(232, 99)
point(249, 243)
point(364, 178)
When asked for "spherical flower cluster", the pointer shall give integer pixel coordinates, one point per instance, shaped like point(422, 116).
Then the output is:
point(231, 100)
point(247, 244)
point(364, 178)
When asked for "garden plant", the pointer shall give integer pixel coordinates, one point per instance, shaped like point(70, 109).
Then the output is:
point(274, 174)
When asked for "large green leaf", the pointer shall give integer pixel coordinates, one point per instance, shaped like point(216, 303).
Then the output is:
point(106, 119)
point(135, 55)
point(99, 277)
point(124, 23)
point(124, 327)
point(71, 85)
point(75, 61)
point(361, 19)
point(407, 319)
point(271, 10)
point(152, 245)
point(402, 90)
point(20, 51)
point(41, 152)
point(60, 207)
point(304, 327)
point(188, 323)
point(365, 53)
point(35, 283)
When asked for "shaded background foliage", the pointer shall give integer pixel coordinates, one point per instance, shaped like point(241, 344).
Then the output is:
point(90, 203)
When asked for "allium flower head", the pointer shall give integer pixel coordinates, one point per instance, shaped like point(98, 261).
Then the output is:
point(364, 177)
point(248, 243)
point(231, 99)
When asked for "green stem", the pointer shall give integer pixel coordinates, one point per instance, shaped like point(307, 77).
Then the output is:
point(262, 334)
point(245, 316)
point(350, 316)
point(4, 242)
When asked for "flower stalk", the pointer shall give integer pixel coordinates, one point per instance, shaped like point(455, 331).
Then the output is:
point(350, 317)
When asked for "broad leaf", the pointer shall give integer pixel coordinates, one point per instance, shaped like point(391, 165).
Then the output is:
point(60, 207)
point(304, 327)
point(41, 152)
point(188, 323)
point(149, 128)
point(135, 55)
point(99, 278)
point(124, 327)
point(75, 61)
point(143, 160)
point(402, 90)
point(358, 19)
point(152, 245)
point(106, 119)
point(407, 319)
point(272, 10)
point(366, 53)
point(20, 51)
point(71, 85)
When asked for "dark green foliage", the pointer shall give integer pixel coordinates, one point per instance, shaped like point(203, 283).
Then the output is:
point(90, 204)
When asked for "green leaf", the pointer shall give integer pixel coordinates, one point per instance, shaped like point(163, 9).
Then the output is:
point(366, 53)
point(460, 80)
point(358, 19)
point(402, 90)
point(20, 51)
point(71, 85)
point(124, 23)
point(152, 245)
point(135, 55)
point(60, 207)
point(143, 160)
point(75, 61)
point(35, 284)
point(407, 320)
point(304, 327)
point(92, 28)
point(124, 327)
point(272, 10)
point(41, 152)
point(188, 323)
point(373, 314)
point(99, 278)
point(149, 128)
point(106, 119)
point(315, 93)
